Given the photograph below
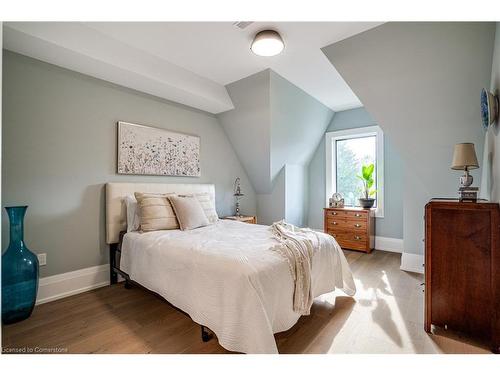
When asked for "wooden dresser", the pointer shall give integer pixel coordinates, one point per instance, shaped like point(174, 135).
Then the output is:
point(353, 228)
point(462, 268)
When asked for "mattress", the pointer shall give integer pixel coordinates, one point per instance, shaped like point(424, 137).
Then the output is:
point(227, 278)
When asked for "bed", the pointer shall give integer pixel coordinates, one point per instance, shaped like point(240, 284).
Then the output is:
point(224, 276)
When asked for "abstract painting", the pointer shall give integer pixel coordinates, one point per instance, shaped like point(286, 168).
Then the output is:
point(144, 150)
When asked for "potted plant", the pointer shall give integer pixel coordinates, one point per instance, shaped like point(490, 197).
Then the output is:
point(366, 177)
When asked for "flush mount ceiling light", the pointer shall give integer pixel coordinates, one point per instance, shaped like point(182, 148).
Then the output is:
point(267, 43)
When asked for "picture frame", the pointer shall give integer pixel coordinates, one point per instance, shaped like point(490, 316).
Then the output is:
point(147, 150)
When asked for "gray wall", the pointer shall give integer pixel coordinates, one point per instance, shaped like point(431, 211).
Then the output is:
point(59, 149)
point(298, 122)
point(271, 207)
point(421, 83)
point(296, 196)
point(490, 185)
point(392, 223)
point(248, 127)
point(275, 128)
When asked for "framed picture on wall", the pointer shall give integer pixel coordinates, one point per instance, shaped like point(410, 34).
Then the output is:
point(144, 150)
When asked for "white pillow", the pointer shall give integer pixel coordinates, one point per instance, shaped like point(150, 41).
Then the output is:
point(207, 202)
point(189, 212)
point(133, 218)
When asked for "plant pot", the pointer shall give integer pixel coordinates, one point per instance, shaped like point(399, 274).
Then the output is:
point(366, 202)
point(19, 272)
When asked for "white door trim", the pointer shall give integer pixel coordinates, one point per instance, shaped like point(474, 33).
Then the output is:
point(412, 262)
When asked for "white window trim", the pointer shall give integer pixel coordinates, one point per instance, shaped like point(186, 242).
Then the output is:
point(331, 181)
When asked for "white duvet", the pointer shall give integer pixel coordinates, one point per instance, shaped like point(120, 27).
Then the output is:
point(226, 277)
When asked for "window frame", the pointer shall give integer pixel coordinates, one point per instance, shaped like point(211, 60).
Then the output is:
point(331, 160)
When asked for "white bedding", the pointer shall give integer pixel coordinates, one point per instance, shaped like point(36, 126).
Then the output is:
point(226, 277)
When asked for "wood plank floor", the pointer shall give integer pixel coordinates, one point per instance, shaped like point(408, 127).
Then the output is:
point(385, 316)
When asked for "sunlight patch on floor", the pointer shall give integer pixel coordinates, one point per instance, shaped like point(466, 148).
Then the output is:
point(388, 317)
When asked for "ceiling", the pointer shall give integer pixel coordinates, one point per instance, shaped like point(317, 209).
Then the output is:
point(190, 62)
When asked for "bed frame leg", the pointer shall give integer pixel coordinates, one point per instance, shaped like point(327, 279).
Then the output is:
point(113, 276)
point(205, 334)
point(128, 284)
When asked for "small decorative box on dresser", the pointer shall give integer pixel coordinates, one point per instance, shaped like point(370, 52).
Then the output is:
point(245, 219)
point(462, 268)
point(353, 228)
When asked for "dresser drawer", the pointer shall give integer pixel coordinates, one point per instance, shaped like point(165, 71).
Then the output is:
point(347, 214)
point(356, 215)
point(335, 222)
point(353, 245)
point(350, 241)
point(350, 225)
point(347, 236)
point(355, 225)
point(334, 214)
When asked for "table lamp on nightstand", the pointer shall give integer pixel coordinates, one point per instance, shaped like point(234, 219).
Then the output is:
point(464, 158)
point(238, 194)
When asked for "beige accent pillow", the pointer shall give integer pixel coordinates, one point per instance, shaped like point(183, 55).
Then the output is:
point(155, 212)
point(189, 212)
point(207, 202)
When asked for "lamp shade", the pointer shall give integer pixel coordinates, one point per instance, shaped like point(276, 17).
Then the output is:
point(464, 157)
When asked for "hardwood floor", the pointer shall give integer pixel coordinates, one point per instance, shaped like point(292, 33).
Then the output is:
point(385, 316)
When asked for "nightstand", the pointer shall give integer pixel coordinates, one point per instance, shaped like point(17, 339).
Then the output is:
point(243, 218)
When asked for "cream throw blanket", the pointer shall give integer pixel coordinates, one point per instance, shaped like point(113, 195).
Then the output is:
point(298, 249)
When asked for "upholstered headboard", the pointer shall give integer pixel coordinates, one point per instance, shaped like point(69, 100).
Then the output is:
point(116, 220)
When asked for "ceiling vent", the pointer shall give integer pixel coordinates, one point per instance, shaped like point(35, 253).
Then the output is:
point(242, 24)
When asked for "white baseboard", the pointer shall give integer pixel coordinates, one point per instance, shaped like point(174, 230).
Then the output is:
point(394, 245)
point(412, 262)
point(67, 284)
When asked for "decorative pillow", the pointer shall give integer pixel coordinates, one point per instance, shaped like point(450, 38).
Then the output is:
point(189, 212)
point(155, 212)
point(133, 219)
point(207, 203)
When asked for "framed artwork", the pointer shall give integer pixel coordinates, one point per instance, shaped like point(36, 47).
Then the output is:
point(144, 150)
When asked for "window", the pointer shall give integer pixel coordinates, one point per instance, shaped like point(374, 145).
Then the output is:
point(346, 152)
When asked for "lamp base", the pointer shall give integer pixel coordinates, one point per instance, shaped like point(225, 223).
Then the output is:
point(466, 180)
point(237, 213)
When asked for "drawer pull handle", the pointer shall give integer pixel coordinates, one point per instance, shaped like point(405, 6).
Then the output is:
point(357, 215)
point(334, 223)
point(334, 213)
point(357, 238)
point(357, 225)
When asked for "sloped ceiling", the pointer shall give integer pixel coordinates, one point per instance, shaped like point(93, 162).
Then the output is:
point(189, 62)
point(76, 46)
point(422, 86)
point(248, 127)
point(274, 123)
point(298, 123)
point(421, 83)
point(220, 51)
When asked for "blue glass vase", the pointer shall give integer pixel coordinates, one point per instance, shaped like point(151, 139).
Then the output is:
point(19, 272)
